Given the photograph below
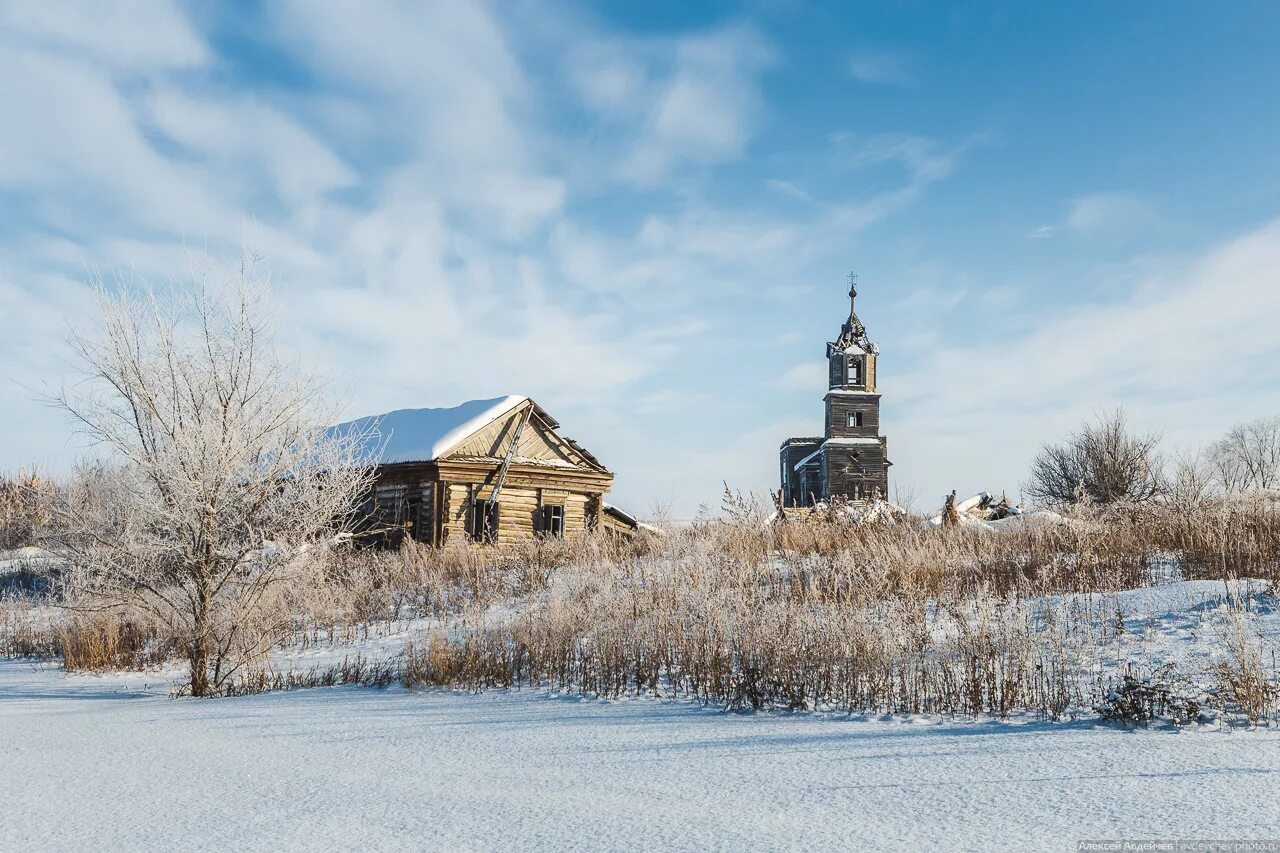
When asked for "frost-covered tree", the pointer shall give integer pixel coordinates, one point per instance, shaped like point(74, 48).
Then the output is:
point(1247, 458)
point(1103, 462)
point(222, 487)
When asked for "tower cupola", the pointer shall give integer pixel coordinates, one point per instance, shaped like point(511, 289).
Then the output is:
point(852, 356)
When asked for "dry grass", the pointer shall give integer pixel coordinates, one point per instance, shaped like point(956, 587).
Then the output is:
point(351, 671)
point(711, 616)
point(1229, 538)
point(106, 641)
point(25, 514)
point(23, 637)
point(1247, 681)
point(879, 618)
point(889, 617)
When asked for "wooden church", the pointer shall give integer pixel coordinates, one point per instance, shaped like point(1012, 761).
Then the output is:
point(493, 471)
point(850, 460)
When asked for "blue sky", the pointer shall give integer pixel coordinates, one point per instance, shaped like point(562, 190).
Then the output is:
point(642, 215)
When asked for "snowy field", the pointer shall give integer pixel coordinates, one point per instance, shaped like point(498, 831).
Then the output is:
point(106, 763)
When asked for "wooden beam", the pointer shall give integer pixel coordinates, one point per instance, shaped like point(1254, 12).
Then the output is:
point(511, 451)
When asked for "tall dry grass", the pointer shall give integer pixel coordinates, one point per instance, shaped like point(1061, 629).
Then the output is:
point(877, 618)
point(719, 616)
point(892, 617)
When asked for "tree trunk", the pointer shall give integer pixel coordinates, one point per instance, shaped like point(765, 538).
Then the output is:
point(198, 647)
point(198, 657)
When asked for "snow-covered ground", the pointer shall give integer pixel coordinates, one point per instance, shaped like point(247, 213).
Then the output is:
point(110, 762)
point(105, 763)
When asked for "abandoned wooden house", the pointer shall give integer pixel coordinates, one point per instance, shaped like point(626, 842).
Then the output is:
point(850, 460)
point(493, 471)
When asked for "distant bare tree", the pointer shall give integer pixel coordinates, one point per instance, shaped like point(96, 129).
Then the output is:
point(223, 485)
point(1247, 458)
point(1101, 463)
point(1191, 482)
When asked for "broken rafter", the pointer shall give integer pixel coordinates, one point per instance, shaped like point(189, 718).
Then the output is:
point(511, 452)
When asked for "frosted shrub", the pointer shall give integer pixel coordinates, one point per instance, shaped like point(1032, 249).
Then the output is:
point(1142, 698)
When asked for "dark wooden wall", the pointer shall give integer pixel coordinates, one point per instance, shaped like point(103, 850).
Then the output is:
point(840, 405)
point(793, 491)
point(854, 471)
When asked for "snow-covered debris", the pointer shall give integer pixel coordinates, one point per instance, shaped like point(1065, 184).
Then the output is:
point(29, 554)
point(420, 435)
point(874, 511)
point(856, 512)
point(27, 569)
point(632, 520)
point(985, 511)
point(1027, 517)
point(28, 560)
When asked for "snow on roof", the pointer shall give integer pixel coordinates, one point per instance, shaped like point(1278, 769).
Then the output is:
point(420, 435)
point(856, 439)
point(618, 511)
point(631, 519)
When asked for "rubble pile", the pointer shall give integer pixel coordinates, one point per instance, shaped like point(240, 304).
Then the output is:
point(987, 511)
point(874, 511)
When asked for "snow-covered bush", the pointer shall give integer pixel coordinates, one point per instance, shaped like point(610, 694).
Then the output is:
point(1143, 697)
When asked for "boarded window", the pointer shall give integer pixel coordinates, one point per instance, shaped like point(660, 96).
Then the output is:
point(420, 515)
point(551, 522)
point(483, 525)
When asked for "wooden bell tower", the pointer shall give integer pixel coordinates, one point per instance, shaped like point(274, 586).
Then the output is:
point(850, 460)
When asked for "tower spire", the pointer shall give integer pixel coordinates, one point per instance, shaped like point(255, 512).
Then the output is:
point(853, 332)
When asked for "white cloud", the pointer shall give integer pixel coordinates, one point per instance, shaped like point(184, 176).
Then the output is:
point(607, 77)
point(439, 83)
point(81, 154)
point(880, 66)
point(923, 161)
point(808, 376)
point(251, 141)
point(704, 111)
point(127, 35)
point(1108, 213)
point(788, 188)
